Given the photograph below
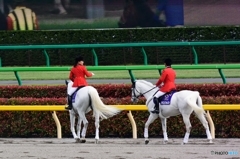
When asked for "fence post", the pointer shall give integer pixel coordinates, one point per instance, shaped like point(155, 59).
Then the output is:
point(145, 56)
point(47, 58)
point(95, 57)
point(195, 56)
point(131, 75)
point(18, 78)
point(58, 124)
point(222, 75)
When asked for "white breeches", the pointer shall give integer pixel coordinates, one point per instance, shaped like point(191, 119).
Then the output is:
point(71, 89)
point(159, 93)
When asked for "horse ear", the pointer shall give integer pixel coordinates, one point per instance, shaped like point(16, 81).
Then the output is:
point(66, 82)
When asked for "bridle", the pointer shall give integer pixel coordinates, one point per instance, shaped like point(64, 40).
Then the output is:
point(134, 90)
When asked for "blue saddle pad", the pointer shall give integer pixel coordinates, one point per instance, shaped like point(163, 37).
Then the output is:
point(75, 93)
point(74, 96)
point(166, 98)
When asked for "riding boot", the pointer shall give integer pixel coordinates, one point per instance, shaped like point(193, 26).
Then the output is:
point(156, 107)
point(69, 103)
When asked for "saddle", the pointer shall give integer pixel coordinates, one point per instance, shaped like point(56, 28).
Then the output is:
point(73, 96)
point(166, 98)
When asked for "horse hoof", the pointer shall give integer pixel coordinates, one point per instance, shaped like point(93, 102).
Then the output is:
point(165, 141)
point(83, 140)
point(210, 141)
point(183, 143)
point(146, 142)
point(78, 140)
point(96, 141)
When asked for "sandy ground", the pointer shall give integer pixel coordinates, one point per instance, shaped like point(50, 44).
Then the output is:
point(114, 148)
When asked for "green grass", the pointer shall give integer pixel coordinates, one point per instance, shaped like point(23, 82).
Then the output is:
point(78, 24)
point(143, 74)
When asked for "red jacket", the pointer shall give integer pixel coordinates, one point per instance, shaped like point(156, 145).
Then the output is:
point(78, 75)
point(168, 78)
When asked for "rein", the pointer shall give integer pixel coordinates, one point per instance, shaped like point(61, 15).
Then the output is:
point(140, 92)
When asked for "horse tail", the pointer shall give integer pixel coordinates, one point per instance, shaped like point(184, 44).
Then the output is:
point(192, 99)
point(199, 101)
point(104, 111)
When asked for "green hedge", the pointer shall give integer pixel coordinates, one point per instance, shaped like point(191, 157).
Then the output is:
point(41, 124)
point(119, 56)
point(113, 90)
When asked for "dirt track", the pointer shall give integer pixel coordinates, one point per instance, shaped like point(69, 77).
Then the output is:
point(116, 149)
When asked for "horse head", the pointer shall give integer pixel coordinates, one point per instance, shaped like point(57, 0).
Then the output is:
point(135, 93)
point(142, 87)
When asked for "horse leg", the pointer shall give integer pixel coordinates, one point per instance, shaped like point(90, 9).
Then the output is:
point(164, 129)
point(72, 121)
point(203, 120)
point(85, 125)
point(79, 126)
point(150, 120)
point(97, 128)
point(188, 127)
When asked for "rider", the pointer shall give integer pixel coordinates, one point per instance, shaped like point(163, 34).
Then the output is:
point(77, 75)
point(167, 80)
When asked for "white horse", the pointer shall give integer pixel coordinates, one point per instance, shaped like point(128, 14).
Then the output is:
point(182, 102)
point(87, 99)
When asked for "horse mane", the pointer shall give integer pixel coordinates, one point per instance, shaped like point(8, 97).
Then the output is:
point(146, 82)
